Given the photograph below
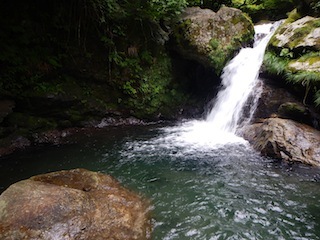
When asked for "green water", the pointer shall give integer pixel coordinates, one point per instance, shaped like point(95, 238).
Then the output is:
point(198, 192)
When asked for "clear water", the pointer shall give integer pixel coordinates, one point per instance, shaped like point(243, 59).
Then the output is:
point(198, 191)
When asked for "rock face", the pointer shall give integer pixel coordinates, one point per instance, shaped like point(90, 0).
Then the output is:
point(293, 55)
point(296, 44)
point(304, 32)
point(276, 100)
point(212, 38)
point(75, 204)
point(285, 139)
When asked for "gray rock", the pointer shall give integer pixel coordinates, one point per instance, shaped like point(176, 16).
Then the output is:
point(304, 32)
point(285, 139)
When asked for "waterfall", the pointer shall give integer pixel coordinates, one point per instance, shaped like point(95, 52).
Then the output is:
point(239, 83)
point(239, 80)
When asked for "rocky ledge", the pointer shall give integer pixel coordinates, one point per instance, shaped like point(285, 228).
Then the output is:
point(75, 204)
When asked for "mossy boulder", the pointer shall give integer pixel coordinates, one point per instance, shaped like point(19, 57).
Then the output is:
point(294, 55)
point(302, 33)
point(212, 38)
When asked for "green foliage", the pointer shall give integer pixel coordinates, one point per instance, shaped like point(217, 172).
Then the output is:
point(305, 78)
point(211, 4)
point(266, 9)
point(286, 53)
point(274, 64)
point(171, 8)
point(153, 89)
point(293, 16)
point(317, 98)
point(279, 65)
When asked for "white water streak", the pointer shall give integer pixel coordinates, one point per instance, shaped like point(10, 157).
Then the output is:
point(239, 79)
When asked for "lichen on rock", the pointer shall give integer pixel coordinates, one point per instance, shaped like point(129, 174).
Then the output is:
point(294, 55)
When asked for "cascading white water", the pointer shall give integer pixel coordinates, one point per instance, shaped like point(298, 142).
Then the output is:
point(220, 125)
point(239, 79)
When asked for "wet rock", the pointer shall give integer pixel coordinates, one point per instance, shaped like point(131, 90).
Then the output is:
point(10, 145)
point(285, 139)
point(212, 38)
point(54, 137)
point(276, 100)
point(75, 204)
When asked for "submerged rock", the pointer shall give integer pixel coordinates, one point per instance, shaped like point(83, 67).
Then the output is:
point(75, 204)
point(285, 139)
point(212, 38)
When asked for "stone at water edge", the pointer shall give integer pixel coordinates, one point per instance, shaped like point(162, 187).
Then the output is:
point(74, 204)
point(285, 139)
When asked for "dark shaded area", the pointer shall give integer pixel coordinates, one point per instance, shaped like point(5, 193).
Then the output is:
point(200, 81)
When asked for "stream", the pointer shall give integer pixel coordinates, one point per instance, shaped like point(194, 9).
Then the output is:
point(204, 181)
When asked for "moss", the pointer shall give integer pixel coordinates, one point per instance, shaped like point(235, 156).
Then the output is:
point(218, 59)
point(293, 111)
point(214, 43)
point(155, 91)
point(293, 16)
point(299, 35)
point(290, 108)
point(311, 58)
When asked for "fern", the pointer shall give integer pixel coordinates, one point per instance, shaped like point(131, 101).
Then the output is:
point(317, 98)
point(274, 64)
point(306, 79)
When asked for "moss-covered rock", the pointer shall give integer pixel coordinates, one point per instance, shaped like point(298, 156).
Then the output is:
point(294, 55)
point(301, 33)
point(212, 38)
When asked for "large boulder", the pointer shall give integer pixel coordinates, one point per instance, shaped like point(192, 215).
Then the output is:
point(212, 38)
point(75, 204)
point(294, 55)
point(285, 139)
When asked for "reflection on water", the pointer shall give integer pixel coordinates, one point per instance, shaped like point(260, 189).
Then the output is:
point(199, 191)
